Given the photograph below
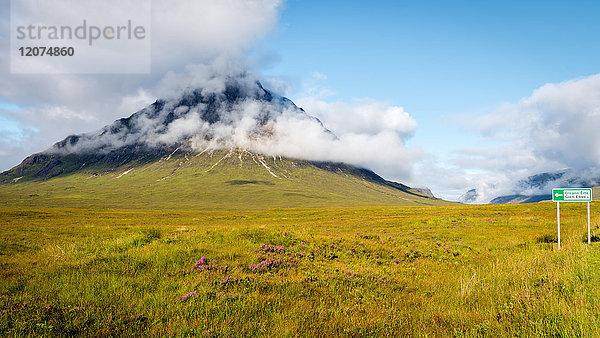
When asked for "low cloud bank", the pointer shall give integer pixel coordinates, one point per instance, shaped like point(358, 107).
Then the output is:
point(555, 128)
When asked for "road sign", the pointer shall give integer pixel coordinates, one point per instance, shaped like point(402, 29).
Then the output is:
point(572, 195)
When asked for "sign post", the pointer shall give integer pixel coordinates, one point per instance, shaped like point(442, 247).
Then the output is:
point(558, 222)
point(572, 195)
point(589, 235)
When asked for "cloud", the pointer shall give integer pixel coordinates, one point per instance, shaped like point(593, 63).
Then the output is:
point(195, 31)
point(556, 127)
point(383, 152)
point(58, 112)
point(361, 117)
point(134, 102)
point(186, 36)
point(369, 133)
point(319, 76)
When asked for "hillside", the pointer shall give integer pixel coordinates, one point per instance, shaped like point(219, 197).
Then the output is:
point(211, 180)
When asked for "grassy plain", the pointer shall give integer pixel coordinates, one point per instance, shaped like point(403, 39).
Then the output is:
point(451, 270)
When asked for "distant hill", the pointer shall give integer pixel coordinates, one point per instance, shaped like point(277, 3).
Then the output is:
point(537, 188)
point(469, 197)
point(511, 199)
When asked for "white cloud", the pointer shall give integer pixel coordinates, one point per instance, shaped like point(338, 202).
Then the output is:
point(193, 31)
point(186, 36)
point(134, 102)
point(58, 112)
point(556, 127)
point(369, 134)
point(361, 117)
point(319, 76)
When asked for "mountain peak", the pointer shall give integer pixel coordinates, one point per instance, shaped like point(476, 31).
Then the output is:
point(233, 114)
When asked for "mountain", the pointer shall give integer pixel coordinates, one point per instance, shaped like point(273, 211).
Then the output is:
point(189, 122)
point(469, 197)
point(204, 148)
point(515, 199)
point(537, 188)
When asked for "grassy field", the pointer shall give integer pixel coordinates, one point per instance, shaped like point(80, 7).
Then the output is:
point(452, 270)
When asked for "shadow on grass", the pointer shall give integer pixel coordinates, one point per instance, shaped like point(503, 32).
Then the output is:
point(548, 238)
point(593, 238)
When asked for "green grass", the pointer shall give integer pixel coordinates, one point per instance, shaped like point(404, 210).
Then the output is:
point(354, 271)
point(215, 245)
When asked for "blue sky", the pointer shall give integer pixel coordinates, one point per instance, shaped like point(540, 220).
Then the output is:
point(436, 58)
point(431, 55)
point(452, 95)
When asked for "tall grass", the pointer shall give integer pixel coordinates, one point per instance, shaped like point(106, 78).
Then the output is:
point(411, 271)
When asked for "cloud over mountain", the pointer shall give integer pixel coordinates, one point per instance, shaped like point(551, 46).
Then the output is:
point(554, 128)
point(372, 134)
point(235, 111)
point(184, 33)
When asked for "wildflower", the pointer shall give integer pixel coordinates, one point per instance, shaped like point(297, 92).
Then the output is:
point(189, 295)
point(267, 264)
point(201, 262)
point(268, 248)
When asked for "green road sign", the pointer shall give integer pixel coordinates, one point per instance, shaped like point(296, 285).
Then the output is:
point(572, 195)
